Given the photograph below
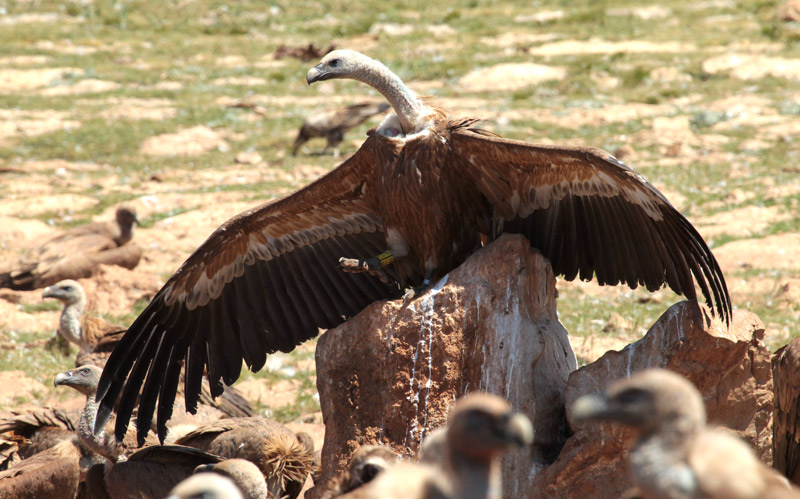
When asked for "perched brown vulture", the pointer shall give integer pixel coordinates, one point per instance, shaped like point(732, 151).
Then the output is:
point(675, 453)
point(77, 253)
point(34, 431)
point(53, 474)
point(283, 459)
point(410, 205)
point(244, 474)
point(479, 429)
point(786, 415)
point(365, 464)
point(333, 124)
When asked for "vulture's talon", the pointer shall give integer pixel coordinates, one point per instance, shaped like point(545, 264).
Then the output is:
point(415, 291)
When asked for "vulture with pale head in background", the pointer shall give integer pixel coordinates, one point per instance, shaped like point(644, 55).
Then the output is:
point(421, 194)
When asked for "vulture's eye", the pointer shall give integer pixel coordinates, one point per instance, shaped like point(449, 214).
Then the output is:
point(334, 63)
point(84, 371)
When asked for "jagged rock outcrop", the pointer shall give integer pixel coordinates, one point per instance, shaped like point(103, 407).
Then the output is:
point(731, 367)
point(391, 374)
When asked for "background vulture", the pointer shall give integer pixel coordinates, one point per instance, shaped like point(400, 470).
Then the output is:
point(77, 253)
point(675, 454)
point(333, 124)
point(410, 205)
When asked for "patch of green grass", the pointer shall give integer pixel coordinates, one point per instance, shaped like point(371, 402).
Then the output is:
point(42, 306)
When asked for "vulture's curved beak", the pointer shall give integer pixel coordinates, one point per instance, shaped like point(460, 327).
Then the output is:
point(520, 430)
point(590, 407)
point(48, 292)
point(315, 74)
point(61, 378)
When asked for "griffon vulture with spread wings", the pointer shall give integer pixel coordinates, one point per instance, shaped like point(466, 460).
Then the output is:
point(410, 205)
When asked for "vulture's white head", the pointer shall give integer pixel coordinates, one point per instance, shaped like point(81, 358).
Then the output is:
point(340, 64)
point(411, 115)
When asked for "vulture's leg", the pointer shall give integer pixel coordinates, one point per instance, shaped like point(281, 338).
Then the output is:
point(418, 290)
point(372, 265)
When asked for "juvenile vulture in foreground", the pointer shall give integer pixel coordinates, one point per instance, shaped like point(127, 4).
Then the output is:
point(283, 459)
point(786, 416)
point(676, 455)
point(410, 205)
point(365, 464)
point(335, 123)
point(480, 428)
point(77, 253)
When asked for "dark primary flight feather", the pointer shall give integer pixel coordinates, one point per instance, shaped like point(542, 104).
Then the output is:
point(269, 279)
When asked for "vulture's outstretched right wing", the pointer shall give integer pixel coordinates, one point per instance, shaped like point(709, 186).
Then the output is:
point(591, 215)
point(266, 280)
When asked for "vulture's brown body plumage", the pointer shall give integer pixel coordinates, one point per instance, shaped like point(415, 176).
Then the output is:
point(425, 187)
point(53, 474)
point(77, 253)
point(148, 473)
point(284, 460)
point(30, 432)
point(786, 417)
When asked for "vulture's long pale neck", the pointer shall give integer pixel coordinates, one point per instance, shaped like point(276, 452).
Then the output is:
point(69, 325)
point(403, 100)
point(95, 442)
point(475, 479)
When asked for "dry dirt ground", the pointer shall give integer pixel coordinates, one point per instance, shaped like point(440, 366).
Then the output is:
point(754, 232)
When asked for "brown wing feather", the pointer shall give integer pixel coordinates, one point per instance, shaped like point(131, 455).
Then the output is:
point(266, 280)
point(52, 473)
point(590, 215)
point(786, 421)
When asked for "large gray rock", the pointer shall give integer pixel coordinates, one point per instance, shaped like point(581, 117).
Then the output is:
point(390, 374)
point(731, 367)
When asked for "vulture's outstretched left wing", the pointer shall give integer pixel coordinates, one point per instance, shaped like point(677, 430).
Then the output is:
point(266, 280)
point(589, 214)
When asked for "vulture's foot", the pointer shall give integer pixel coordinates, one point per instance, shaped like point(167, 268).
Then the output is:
point(415, 291)
point(370, 265)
